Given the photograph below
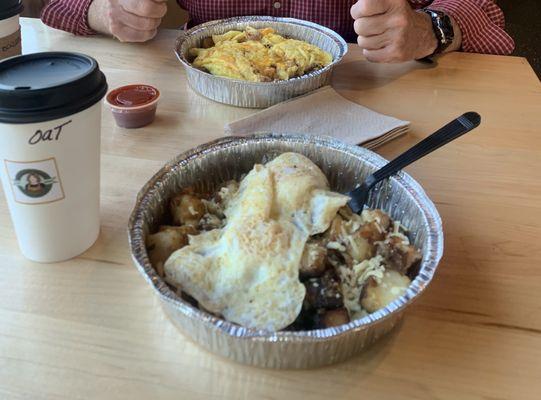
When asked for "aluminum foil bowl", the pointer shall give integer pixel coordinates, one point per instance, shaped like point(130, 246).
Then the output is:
point(259, 94)
point(209, 165)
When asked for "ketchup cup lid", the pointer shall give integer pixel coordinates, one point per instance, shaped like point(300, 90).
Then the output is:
point(132, 97)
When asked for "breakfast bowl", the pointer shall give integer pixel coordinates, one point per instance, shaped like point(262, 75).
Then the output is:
point(259, 94)
point(208, 166)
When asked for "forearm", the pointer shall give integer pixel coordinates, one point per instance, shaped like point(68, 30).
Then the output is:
point(68, 15)
point(480, 24)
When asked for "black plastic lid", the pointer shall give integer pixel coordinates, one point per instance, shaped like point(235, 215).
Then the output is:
point(46, 86)
point(9, 8)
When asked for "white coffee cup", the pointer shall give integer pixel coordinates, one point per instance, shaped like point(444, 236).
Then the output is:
point(9, 26)
point(10, 34)
point(50, 151)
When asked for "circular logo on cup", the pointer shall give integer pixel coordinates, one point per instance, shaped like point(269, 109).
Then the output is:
point(34, 183)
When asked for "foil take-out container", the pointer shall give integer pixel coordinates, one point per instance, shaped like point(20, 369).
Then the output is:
point(258, 94)
point(208, 166)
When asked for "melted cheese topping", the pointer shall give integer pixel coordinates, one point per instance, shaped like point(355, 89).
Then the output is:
point(248, 271)
point(259, 55)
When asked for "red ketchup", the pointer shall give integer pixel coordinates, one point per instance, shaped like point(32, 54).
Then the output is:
point(133, 106)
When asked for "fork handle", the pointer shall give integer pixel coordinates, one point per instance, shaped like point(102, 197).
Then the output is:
point(448, 133)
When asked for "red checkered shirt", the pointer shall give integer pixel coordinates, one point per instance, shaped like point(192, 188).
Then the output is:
point(481, 21)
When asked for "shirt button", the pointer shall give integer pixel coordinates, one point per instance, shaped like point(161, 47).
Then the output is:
point(277, 5)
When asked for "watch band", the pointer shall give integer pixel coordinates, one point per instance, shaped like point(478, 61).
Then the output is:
point(443, 29)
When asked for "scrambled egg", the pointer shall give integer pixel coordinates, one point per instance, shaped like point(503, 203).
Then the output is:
point(258, 55)
point(248, 271)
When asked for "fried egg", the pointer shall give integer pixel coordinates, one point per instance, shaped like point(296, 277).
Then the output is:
point(248, 271)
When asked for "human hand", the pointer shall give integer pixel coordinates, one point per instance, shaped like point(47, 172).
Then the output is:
point(391, 31)
point(127, 20)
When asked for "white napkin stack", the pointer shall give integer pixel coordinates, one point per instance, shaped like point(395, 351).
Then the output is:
point(323, 112)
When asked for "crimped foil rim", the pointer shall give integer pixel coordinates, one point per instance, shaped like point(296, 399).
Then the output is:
point(427, 269)
point(245, 19)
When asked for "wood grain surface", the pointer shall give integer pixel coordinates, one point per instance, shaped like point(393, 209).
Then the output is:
point(90, 328)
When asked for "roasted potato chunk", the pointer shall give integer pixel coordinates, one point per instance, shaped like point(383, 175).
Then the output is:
point(313, 261)
point(187, 209)
point(323, 292)
point(376, 227)
point(376, 296)
point(335, 231)
point(399, 256)
point(163, 243)
point(372, 232)
point(379, 216)
point(329, 318)
point(359, 247)
point(357, 240)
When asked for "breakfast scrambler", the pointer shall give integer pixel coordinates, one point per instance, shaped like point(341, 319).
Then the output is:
point(258, 55)
point(280, 251)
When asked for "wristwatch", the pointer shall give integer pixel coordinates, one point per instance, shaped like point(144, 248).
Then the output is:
point(443, 29)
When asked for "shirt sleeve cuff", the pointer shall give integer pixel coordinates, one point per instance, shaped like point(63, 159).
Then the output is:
point(83, 25)
point(481, 27)
point(68, 16)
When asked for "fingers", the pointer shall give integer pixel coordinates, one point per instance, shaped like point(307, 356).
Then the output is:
point(373, 42)
point(144, 8)
point(372, 31)
point(389, 31)
point(368, 8)
point(388, 54)
point(125, 33)
point(379, 55)
point(136, 20)
point(139, 23)
point(369, 26)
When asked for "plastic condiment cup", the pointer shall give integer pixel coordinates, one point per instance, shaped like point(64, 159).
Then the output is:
point(50, 123)
point(133, 106)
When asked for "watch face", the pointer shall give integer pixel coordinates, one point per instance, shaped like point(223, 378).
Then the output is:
point(443, 29)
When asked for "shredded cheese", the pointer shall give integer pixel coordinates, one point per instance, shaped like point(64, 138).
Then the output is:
point(354, 279)
point(336, 246)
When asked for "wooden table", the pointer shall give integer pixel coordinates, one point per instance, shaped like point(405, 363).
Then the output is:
point(91, 328)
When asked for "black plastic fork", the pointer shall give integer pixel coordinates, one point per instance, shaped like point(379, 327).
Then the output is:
point(448, 133)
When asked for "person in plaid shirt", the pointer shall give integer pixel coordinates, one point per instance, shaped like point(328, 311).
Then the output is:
point(386, 30)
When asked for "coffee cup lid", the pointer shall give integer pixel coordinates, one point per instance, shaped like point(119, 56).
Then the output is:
point(46, 86)
point(9, 8)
